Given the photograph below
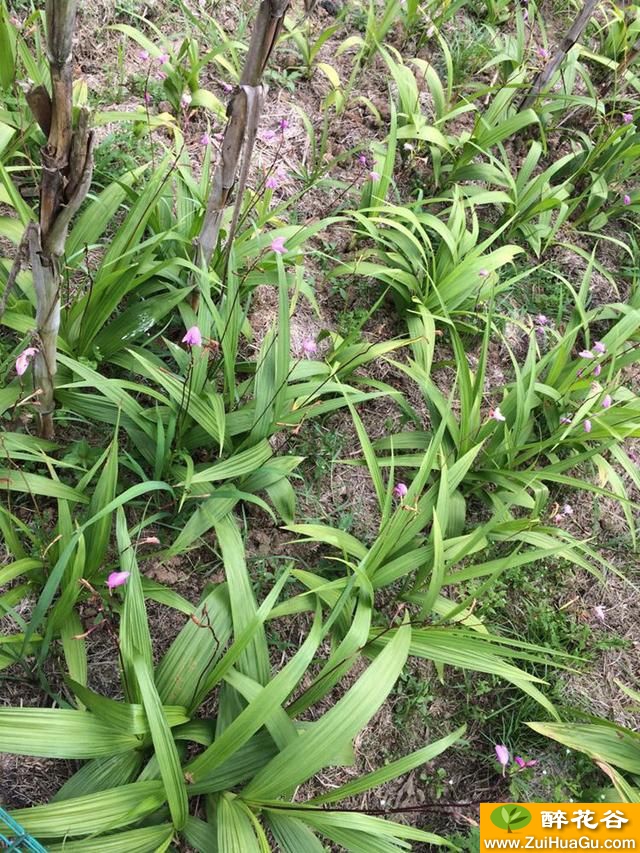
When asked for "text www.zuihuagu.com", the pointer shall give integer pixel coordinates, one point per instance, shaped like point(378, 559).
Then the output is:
point(582, 843)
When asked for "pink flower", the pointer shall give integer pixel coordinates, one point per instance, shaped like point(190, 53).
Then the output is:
point(626, 199)
point(543, 53)
point(599, 347)
point(163, 58)
point(599, 612)
point(149, 540)
point(502, 754)
point(542, 319)
point(278, 246)
point(585, 353)
point(117, 579)
point(143, 55)
point(522, 764)
point(597, 370)
point(565, 419)
point(148, 98)
point(362, 159)
point(193, 337)
point(185, 100)
point(496, 414)
point(627, 118)
point(567, 509)
point(309, 346)
point(400, 490)
point(268, 135)
point(283, 124)
point(483, 273)
point(374, 176)
point(226, 86)
point(22, 361)
point(205, 139)
point(272, 183)
point(587, 425)
point(607, 400)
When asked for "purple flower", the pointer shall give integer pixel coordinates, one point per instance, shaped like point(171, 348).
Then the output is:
point(117, 579)
point(205, 139)
point(542, 320)
point(626, 199)
point(148, 98)
point(496, 414)
point(400, 490)
point(607, 400)
point(542, 52)
point(599, 347)
point(272, 183)
point(22, 361)
point(585, 353)
point(567, 509)
point(163, 58)
point(309, 346)
point(627, 118)
point(362, 159)
point(268, 135)
point(226, 86)
point(283, 124)
point(587, 425)
point(278, 246)
point(502, 754)
point(193, 337)
point(597, 370)
point(522, 764)
point(143, 55)
point(374, 176)
point(565, 419)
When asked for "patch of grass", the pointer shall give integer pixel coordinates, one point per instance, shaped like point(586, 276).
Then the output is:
point(120, 152)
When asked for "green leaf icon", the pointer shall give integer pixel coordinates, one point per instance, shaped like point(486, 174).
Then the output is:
point(506, 817)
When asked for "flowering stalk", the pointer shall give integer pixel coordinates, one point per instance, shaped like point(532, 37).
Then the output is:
point(243, 113)
point(67, 169)
point(571, 37)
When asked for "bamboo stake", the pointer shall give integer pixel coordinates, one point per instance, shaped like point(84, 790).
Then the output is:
point(67, 169)
point(243, 113)
point(571, 37)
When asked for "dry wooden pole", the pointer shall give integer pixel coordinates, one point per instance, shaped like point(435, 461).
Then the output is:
point(243, 113)
point(571, 37)
point(67, 168)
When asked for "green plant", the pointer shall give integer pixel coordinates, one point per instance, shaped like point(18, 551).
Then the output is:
point(137, 786)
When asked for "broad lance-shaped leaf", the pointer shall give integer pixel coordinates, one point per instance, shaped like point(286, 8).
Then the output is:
point(101, 812)
point(602, 742)
point(149, 839)
point(392, 770)
point(235, 828)
point(255, 661)
point(60, 733)
point(164, 745)
point(196, 649)
point(134, 628)
point(250, 720)
point(301, 760)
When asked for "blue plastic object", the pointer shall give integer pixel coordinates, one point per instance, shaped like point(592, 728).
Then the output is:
point(20, 841)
